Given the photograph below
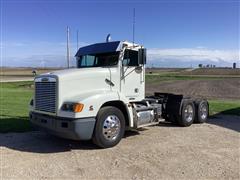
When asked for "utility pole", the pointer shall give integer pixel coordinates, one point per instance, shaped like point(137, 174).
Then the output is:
point(68, 50)
point(77, 39)
point(133, 26)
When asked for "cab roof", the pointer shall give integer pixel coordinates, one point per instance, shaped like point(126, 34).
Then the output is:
point(106, 47)
point(98, 48)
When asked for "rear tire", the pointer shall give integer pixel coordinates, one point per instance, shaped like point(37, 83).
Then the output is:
point(109, 128)
point(187, 113)
point(202, 111)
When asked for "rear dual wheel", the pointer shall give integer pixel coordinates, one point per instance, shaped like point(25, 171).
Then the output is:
point(187, 113)
point(193, 111)
point(202, 111)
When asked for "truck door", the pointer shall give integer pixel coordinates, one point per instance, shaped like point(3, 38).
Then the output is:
point(132, 76)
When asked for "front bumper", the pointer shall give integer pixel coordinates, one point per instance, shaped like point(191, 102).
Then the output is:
point(77, 129)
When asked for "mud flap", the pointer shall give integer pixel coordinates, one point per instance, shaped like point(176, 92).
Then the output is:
point(172, 106)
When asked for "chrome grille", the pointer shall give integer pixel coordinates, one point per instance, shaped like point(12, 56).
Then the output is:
point(45, 96)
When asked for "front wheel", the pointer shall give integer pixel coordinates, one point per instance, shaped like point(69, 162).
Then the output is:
point(109, 128)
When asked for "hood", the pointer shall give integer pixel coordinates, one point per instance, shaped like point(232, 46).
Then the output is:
point(74, 74)
point(74, 82)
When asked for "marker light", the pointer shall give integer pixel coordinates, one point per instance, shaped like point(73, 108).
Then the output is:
point(78, 107)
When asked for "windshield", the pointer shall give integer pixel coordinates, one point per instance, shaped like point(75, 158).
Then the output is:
point(98, 60)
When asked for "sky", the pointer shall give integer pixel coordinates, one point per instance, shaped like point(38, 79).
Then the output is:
point(176, 33)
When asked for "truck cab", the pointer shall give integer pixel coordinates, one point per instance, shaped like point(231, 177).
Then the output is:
point(104, 96)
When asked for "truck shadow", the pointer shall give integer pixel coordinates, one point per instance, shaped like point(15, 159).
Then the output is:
point(41, 142)
point(223, 119)
point(167, 124)
point(16, 123)
point(11, 136)
point(31, 140)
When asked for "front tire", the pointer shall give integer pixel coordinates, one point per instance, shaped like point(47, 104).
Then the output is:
point(109, 128)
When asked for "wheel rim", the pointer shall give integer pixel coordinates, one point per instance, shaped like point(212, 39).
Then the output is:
point(203, 111)
point(188, 113)
point(111, 127)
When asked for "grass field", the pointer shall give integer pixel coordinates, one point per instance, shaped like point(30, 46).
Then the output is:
point(15, 98)
point(224, 107)
point(156, 75)
point(156, 78)
point(213, 72)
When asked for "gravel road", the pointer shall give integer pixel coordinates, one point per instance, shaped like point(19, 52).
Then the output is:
point(202, 151)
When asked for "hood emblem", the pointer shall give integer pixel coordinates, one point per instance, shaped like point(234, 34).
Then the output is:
point(44, 79)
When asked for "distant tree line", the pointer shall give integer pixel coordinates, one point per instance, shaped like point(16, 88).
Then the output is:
point(214, 66)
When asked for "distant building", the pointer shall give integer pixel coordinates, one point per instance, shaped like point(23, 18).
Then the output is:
point(234, 65)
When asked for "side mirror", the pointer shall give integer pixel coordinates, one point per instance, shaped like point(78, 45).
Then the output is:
point(142, 54)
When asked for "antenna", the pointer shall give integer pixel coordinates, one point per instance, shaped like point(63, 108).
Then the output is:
point(133, 26)
point(68, 50)
point(77, 39)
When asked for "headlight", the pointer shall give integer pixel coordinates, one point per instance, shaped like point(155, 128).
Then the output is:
point(72, 107)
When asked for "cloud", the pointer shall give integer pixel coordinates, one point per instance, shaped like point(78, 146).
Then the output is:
point(42, 53)
point(13, 44)
point(193, 55)
point(47, 60)
point(54, 54)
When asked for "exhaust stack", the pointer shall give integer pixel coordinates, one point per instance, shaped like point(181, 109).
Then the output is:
point(108, 38)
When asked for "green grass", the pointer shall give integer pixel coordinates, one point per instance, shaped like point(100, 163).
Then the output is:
point(15, 98)
point(156, 78)
point(224, 107)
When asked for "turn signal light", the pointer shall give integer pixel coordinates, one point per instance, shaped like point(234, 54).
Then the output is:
point(78, 107)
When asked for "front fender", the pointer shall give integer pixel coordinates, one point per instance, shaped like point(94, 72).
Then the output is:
point(129, 108)
point(92, 103)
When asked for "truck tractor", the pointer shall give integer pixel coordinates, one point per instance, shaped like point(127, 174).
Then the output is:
point(105, 95)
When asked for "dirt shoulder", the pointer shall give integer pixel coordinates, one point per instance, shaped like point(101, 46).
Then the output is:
point(204, 151)
point(211, 88)
point(15, 78)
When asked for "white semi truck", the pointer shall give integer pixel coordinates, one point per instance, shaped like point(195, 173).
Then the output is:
point(105, 95)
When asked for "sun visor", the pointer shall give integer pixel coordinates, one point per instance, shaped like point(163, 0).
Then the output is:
point(98, 48)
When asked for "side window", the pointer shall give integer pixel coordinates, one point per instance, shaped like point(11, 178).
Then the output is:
point(130, 58)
